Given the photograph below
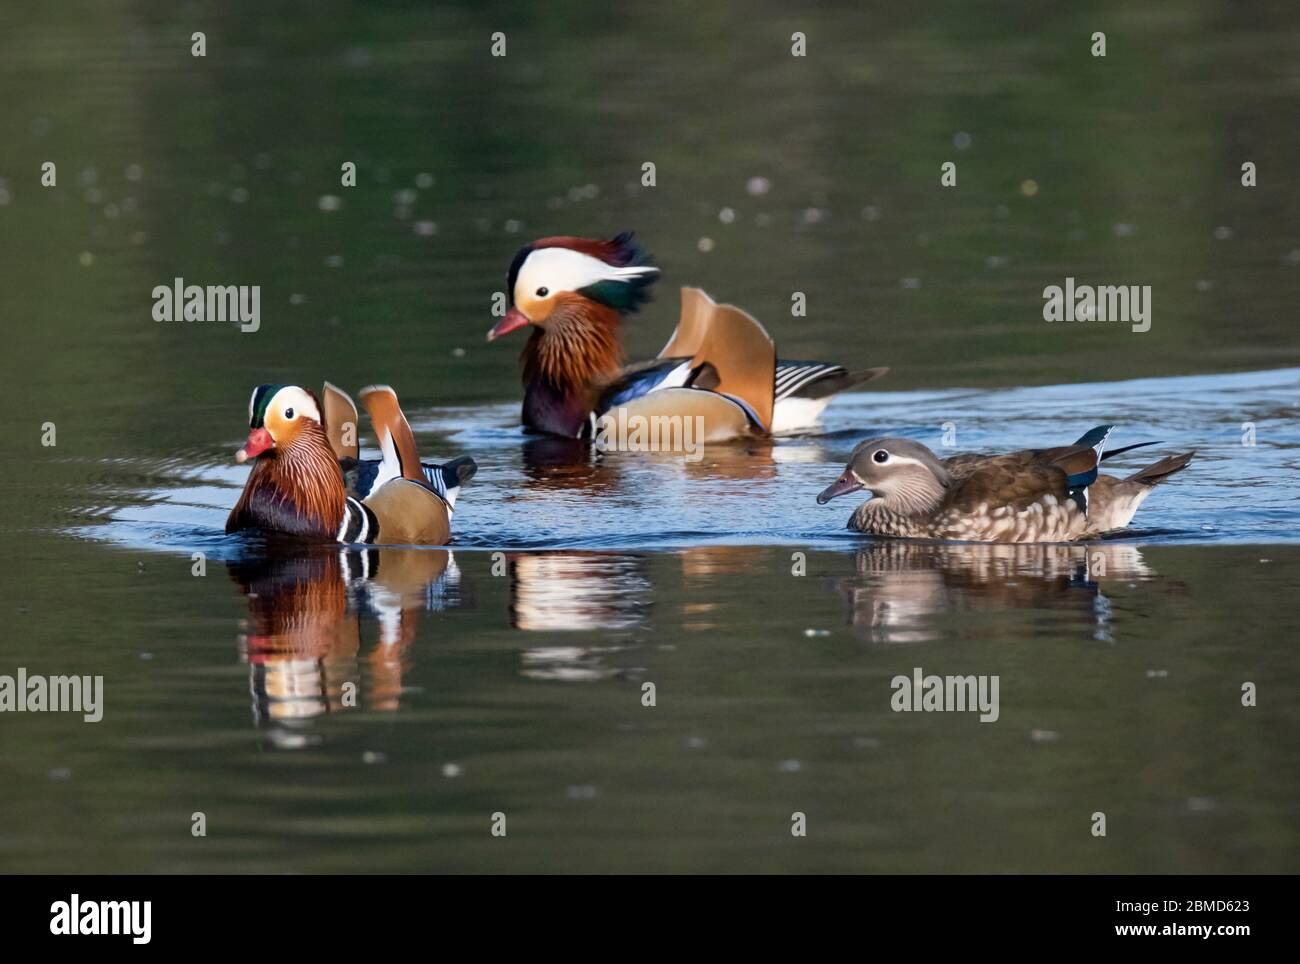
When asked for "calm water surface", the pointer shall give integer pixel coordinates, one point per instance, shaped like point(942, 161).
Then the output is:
point(506, 673)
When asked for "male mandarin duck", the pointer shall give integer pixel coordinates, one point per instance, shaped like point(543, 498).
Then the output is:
point(1038, 495)
point(720, 362)
point(309, 481)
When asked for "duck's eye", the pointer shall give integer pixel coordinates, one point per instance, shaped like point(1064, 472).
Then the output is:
point(288, 414)
point(543, 292)
point(880, 456)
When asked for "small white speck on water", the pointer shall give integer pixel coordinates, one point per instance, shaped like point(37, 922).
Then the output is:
point(1157, 673)
point(996, 261)
point(139, 237)
point(866, 742)
point(334, 261)
point(134, 172)
point(1043, 736)
point(1207, 527)
point(727, 216)
point(5, 196)
point(146, 656)
point(1292, 256)
point(1122, 229)
point(961, 140)
point(405, 196)
point(329, 202)
point(86, 259)
point(789, 766)
point(696, 742)
point(1204, 284)
point(514, 226)
point(705, 245)
point(909, 283)
point(424, 180)
point(815, 215)
point(757, 186)
point(89, 175)
point(584, 791)
point(1222, 233)
point(870, 213)
point(238, 195)
point(1201, 804)
point(1029, 187)
point(816, 632)
point(451, 770)
point(297, 299)
point(60, 773)
point(425, 229)
point(1266, 560)
point(458, 353)
point(374, 756)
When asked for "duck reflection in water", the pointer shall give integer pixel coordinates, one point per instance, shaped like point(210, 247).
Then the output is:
point(902, 588)
point(331, 630)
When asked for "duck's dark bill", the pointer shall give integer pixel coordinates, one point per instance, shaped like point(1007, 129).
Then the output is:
point(514, 319)
point(845, 484)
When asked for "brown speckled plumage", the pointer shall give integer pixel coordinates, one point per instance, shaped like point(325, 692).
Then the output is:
point(1036, 495)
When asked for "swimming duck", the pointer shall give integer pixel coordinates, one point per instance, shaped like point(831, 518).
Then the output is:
point(720, 363)
point(1037, 495)
point(309, 481)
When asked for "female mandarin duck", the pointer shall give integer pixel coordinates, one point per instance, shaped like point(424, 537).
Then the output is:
point(308, 480)
point(720, 363)
point(1038, 495)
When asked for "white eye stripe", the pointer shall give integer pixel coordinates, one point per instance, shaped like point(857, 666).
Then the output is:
point(295, 398)
point(563, 269)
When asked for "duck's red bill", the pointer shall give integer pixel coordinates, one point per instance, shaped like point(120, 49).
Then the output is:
point(514, 319)
point(259, 440)
point(846, 483)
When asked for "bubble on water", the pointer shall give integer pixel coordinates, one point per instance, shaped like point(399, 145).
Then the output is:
point(727, 215)
point(1292, 256)
point(405, 196)
point(146, 656)
point(111, 211)
point(134, 172)
point(696, 742)
point(1123, 229)
point(1157, 673)
point(239, 195)
point(451, 770)
point(85, 259)
point(762, 219)
point(329, 202)
point(458, 353)
point(870, 213)
point(815, 215)
point(961, 140)
point(705, 245)
point(789, 766)
point(1029, 187)
point(513, 226)
point(334, 261)
point(911, 284)
point(816, 632)
point(1043, 736)
point(424, 180)
point(1222, 233)
point(5, 197)
point(584, 791)
point(1204, 284)
point(374, 756)
point(757, 186)
point(996, 261)
point(1201, 804)
point(425, 229)
point(866, 742)
point(297, 299)
point(60, 773)
point(89, 175)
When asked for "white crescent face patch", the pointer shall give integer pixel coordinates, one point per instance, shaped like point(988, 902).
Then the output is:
point(563, 269)
point(292, 398)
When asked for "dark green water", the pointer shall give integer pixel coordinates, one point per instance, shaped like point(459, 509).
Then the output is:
point(520, 691)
